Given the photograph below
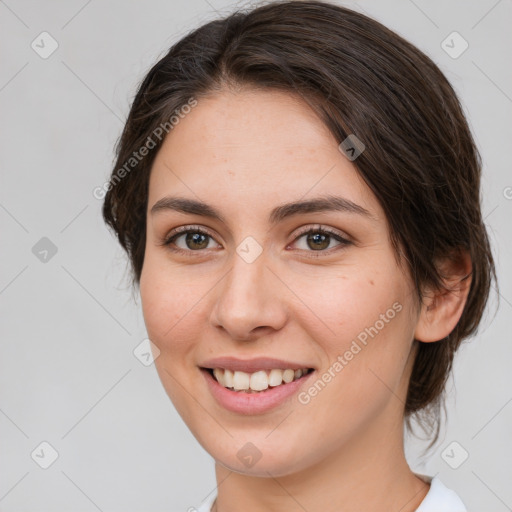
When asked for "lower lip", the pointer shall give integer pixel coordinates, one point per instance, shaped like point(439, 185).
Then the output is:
point(253, 403)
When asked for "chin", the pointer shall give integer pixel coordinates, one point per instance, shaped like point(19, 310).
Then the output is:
point(258, 458)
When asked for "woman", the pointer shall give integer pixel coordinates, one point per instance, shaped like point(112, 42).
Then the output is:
point(298, 190)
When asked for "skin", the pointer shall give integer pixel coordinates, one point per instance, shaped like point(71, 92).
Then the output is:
point(343, 450)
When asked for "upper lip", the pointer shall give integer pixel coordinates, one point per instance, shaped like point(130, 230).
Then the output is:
point(251, 365)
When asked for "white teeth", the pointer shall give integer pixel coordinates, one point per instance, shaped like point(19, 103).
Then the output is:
point(257, 381)
point(275, 377)
point(219, 375)
point(288, 375)
point(240, 380)
point(228, 378)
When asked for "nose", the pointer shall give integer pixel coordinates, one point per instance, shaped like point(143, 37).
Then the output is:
point(250, 300)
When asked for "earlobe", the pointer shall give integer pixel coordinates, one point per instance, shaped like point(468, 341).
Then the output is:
point(442, 309)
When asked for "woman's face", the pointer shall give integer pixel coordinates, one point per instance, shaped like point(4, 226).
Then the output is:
point(260, 296)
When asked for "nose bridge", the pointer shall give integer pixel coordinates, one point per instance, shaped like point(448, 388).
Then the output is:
point(248, 298)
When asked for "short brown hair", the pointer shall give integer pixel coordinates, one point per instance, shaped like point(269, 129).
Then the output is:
point(361, 78)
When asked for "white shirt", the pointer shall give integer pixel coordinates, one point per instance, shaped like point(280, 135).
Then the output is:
point(438, 499)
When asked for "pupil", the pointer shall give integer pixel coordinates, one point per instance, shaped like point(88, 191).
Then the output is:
point(194, 238)
point(319, 237)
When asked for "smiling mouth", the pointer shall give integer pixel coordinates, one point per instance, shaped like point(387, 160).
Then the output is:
point(256, 382)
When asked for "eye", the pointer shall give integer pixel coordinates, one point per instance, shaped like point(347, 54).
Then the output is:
point(318, 239)
point(195, 239)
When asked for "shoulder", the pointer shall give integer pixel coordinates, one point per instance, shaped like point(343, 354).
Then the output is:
point(440, 498)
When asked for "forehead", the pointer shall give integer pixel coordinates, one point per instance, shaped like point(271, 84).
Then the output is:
point(255, 147)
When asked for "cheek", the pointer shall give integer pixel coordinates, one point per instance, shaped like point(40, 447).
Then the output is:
point(173, 304)
point(167, 306)
point(339, 308)
point(364, 335)
point(161, 304)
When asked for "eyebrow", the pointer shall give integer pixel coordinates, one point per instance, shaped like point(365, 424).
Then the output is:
point(319, 204)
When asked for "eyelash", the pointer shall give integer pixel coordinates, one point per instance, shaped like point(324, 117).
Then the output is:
point(167, 241)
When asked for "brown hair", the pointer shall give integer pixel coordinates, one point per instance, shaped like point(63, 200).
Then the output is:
point(361, 78)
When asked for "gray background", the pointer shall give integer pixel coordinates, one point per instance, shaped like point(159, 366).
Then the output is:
point(69, 325)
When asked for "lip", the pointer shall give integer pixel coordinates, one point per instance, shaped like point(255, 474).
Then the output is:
point(252, 365)
point(253, 403)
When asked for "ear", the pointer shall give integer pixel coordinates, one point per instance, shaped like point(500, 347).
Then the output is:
point(442, 309)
